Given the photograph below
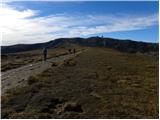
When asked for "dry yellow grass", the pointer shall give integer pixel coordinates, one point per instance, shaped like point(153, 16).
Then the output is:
point(102, 82)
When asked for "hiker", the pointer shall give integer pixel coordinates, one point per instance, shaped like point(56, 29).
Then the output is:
point(74, 50)
point(45, 53)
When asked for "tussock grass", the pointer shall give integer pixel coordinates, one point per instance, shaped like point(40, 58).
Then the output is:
point(72, 106)
point(70, 62)
point(100, 83)
point(32, 80)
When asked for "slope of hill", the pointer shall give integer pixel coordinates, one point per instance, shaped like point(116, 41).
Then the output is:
point(99, 83)
point(121, 45)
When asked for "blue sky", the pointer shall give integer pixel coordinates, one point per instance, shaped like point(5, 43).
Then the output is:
point(35, 21)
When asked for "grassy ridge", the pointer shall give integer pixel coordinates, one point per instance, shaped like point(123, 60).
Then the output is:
point(99, 83)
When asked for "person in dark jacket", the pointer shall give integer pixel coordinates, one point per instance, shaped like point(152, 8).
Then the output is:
point(45, 53)
point(74, 51)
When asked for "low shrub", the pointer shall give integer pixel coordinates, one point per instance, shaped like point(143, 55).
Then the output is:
point(32, 80)
point(72, 106)
point(70, 62)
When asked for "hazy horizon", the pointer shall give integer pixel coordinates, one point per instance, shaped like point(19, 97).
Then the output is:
point(36, 22)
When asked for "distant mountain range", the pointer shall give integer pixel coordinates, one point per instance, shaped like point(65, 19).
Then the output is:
point(128, 46)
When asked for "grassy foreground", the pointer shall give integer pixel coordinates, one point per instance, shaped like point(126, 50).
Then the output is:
point(99, 83)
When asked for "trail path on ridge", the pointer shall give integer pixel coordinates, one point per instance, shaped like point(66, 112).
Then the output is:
point(18, 76)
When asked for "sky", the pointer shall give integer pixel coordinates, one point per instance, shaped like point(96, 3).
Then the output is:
point(25, 22)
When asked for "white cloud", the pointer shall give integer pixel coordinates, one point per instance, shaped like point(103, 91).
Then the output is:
point(25, 27)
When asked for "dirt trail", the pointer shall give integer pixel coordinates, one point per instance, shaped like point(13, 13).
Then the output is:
point(18, 77)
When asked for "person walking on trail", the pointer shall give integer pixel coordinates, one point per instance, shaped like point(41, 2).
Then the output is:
point(45, 53)
point(74, 51)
